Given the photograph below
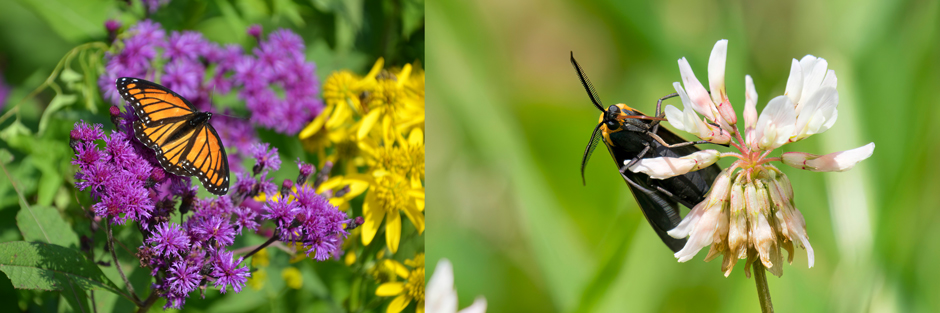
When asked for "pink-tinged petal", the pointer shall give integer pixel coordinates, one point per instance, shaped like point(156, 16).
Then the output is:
point(716, 81)
point(737, 228)
point(698, 95)
point(702, 233)
point(688, 222)
point(750, 103)
point(716, 196)
point(833, 162)
point(795, 82)
point(716, 70)
point(686, 119)
point(775, 124)
point(666, 167)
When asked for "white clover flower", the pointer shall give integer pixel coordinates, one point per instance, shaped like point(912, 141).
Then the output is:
point(441, 296)
point(749, 213)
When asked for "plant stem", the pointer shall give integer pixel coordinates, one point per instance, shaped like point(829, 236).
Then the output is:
point(265, 244)
point(763, 291)
point(117, 264)
point(144, 307)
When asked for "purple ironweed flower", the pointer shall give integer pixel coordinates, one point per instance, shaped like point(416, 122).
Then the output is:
point(134, 60)
point(153, 5)
point(116, 176)
point(255, 31)
point(265, 159)
point(226, 272)
point(184, 76)
point(306, 169)
point(169, 239)
point(85, 132)
point(281, 211)
point(266, 185)
point(245, 219)
point(216, 231)
point(286, 186)
point(112, 25)
point(244, 183)
point(309, 219)
point(183, 277)
point(186, 45)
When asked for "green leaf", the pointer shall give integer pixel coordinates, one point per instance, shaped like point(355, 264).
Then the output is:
point(44, 223)
point(412, 16)
point(73, 20)
point(288, 9)
point(35, 265)
point(58, 102)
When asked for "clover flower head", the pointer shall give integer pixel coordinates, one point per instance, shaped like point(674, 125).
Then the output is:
point(749, 213)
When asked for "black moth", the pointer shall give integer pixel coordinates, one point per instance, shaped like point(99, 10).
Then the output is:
point(630, 136)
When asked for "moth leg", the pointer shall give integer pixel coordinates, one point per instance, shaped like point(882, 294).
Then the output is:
point(636, 159)
point(681, 144)
point(659, 112)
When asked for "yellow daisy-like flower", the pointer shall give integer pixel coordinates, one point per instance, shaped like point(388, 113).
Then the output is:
point(292, 277)
point(257, 279)
point(391, 194)
point(342, 92)
point(390, 103)
point(412, 289)
point(357, 183)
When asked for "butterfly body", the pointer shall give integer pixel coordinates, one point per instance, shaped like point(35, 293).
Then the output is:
point(184, 141)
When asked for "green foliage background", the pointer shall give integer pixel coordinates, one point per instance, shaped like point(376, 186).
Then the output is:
point(508, 121)
point(36, 34)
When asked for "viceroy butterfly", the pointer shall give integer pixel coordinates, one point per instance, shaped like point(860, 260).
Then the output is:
point(185, 143)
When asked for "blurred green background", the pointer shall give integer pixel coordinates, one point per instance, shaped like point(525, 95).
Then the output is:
point(508, 121)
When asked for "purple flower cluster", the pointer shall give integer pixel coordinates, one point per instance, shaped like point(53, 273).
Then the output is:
point(309, 219)
point(277, 83)
point(178, 254)
point(128, 184)
point(116, 176)
point(153, 5)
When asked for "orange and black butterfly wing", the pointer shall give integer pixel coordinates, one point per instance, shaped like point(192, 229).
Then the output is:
point(206, 159)
point(185, 143)
point(152, 103)
point(170, 151)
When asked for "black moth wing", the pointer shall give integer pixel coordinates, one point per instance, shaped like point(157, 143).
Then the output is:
point(662, 210)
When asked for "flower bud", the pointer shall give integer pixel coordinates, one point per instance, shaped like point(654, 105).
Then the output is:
point(833, 162)
point(737, 228)
point(666, 167)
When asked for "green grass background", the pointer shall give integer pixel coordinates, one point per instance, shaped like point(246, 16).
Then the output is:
point(508, 120)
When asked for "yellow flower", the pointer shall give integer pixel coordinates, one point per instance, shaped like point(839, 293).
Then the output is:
point(357, 183)
point(390, 195)
point(393, 103)
point(260, 259)
point(293, 277)
point(412, 289)
point(257, 279)
point(385, 269)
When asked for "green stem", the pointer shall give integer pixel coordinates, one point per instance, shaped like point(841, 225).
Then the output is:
point(130, 288)
point(763, 291)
